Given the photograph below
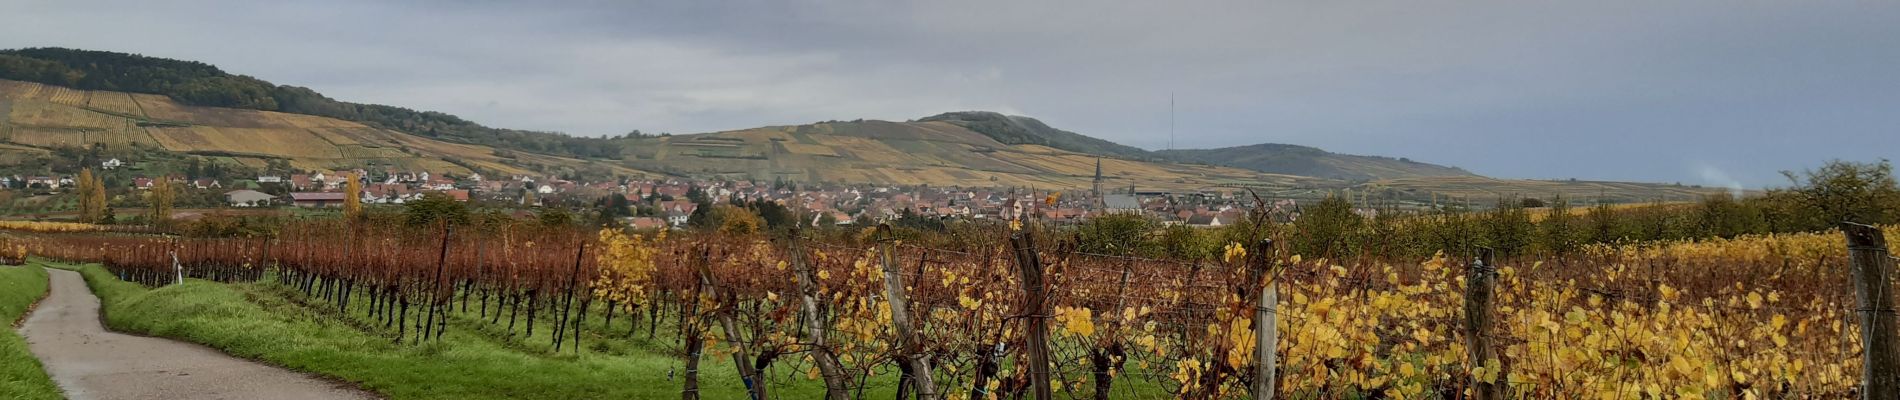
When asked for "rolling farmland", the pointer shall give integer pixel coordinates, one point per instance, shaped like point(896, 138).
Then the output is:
point(1483, 189)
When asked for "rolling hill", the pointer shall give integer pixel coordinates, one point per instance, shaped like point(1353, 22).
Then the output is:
point(199, 84)
point(934, 152)
point(1307, 161)
point(39, 118)
point(1279, 159)
point(35, 118)
point(1481, 190)
point(940, 152)
point(61, 99)
point(1016, 129)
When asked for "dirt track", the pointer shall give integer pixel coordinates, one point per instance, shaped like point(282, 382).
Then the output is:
point(90, 362)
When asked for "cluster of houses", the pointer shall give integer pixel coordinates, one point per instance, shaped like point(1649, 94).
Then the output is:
point(321, 190)
point(325, 189)
point(848, 205)
point(664, 203)
point(47, 182)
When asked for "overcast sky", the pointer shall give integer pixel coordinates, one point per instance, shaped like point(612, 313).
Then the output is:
point(1714, 92)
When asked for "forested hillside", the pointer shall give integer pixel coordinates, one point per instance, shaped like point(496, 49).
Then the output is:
point(1016, 129)
point(48, 129)
point(196, 83)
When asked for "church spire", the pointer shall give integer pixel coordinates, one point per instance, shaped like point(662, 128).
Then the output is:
point(1096, 192)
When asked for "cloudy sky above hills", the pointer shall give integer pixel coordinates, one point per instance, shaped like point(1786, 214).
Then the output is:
point(1708, 92)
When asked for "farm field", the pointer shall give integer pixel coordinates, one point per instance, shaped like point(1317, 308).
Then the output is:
point(1766, 316)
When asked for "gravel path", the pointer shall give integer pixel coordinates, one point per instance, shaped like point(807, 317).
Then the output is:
point(90, 362)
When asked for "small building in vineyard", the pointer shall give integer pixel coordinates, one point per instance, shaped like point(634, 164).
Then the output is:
point(248, 198)
point(317, 199)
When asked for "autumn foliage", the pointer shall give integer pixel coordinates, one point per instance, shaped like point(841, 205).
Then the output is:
point(1751, 317)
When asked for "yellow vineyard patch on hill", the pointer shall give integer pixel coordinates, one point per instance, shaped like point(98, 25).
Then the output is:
point(41, 117)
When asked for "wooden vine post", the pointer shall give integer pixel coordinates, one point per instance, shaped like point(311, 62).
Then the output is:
point(695, 342)
point(435, 290)
point(177, 268)
point(573, 281)
point(910, 348)
point(723, 310)
point(1872, 269)
point(1266, 325)
point(836, 384)
point(1035, 312)
point(1480, 286)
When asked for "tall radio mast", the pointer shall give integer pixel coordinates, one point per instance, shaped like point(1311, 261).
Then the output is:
point(1171, 120)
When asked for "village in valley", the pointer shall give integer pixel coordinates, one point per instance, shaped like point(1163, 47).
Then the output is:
point(653, 204)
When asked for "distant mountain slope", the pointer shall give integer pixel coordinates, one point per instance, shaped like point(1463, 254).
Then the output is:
point(1307, 161)
point(936, 152)
point(200, 84)
point(1014, 129)
point(36, 117)
point(1482, 190)
point(60, 100)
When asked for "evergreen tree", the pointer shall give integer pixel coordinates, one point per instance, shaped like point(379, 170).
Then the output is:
point(774, 215)
point(555, 216)
point(695, 195)
point(435, 207)
point(611, 208)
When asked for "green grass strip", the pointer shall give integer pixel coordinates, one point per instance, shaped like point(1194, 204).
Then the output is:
point(265, 322)
point(21, 376)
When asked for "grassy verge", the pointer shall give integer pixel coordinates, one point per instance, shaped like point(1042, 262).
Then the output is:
point(21, 376)
point(269, 323)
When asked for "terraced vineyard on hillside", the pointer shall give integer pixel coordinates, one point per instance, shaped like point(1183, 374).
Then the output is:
point(935, 153)
point(38, 117)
